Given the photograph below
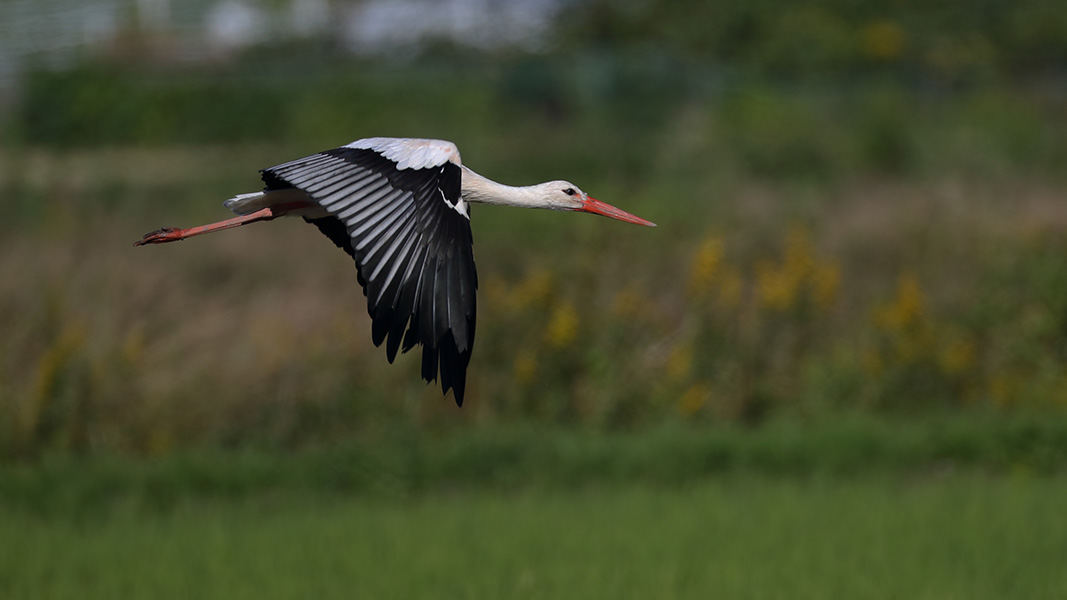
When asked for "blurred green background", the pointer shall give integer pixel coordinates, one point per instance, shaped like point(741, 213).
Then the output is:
point(838, 367)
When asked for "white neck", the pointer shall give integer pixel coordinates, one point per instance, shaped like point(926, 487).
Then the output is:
point(483, 190)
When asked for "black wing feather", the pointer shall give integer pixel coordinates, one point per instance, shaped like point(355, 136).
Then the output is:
point(412, 251)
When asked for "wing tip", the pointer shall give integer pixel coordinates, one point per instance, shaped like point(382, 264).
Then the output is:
point(449, 363)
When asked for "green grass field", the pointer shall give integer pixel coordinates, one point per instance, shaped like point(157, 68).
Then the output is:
point(955, 535)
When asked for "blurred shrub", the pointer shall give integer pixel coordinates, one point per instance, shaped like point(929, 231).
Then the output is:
point(513, 458)
point(946, 41)
point(779, 135)
point(881, 304)
point(629, 102)
point(94, 105)
point(97, 104)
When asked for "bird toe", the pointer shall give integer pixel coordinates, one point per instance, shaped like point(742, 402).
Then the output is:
point(160, 236)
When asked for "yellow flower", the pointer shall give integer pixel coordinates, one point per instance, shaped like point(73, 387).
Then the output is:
point(694, 398)
point(825, 281)
point(799, 256)
point(50, 372)
point(496, 292)
point(680, 362)
point(1059, 391)
point(730, 288)
point(525, 366)
point(776, 287)
point(706, 264)
point(957, 356)
point(630, 302)
point(1004, 388)
point(158, 441)
point(883, 40)
point(780, 287)
point(132, 347)
point(534, 290)
point(562, 325)
point(51, 365)
point(906, 310)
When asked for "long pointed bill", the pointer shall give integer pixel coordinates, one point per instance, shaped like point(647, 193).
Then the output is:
point(592, 205)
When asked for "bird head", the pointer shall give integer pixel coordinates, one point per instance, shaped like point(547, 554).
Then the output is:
point(564, 195)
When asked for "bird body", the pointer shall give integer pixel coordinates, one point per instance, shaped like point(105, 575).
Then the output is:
point(400, 207)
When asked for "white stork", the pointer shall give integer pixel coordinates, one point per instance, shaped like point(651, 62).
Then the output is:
point(401, 209)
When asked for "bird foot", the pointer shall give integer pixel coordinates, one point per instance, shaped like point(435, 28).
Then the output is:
point(161, 236)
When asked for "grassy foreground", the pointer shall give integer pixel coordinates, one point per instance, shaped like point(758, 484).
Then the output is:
point(405, 464)
point(958, 536)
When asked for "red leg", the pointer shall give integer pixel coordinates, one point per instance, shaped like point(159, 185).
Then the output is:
point(174, 234)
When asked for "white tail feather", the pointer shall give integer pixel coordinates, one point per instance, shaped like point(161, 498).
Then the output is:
point(246, 204)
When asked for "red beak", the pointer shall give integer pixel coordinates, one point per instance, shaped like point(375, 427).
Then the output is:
point(592, 205)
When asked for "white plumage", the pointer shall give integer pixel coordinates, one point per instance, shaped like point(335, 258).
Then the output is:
point(411, 153)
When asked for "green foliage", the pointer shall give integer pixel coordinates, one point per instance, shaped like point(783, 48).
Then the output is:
point(944, 41)
point(408, 463)
point(99, 104)
point(825, 130)
point(95, 104)
point(897, 299)
point(946, 535)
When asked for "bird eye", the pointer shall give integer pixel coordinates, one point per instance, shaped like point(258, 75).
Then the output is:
point(569, 191)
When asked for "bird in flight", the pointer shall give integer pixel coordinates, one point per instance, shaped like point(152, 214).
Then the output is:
point(400, 207)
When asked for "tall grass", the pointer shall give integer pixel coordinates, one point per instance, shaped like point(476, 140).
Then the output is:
point(407, 463)
point(742, 537)
point(769, 300)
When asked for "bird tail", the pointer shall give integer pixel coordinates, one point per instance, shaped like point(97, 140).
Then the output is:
point(246, 204)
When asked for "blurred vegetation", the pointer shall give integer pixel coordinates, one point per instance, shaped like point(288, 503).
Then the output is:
point(748, 123)
point(966, 535)
point(939, 40)
point(861, 211)
point(405, 464)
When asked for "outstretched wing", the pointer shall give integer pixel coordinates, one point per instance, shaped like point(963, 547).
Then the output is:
point(397, 210)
